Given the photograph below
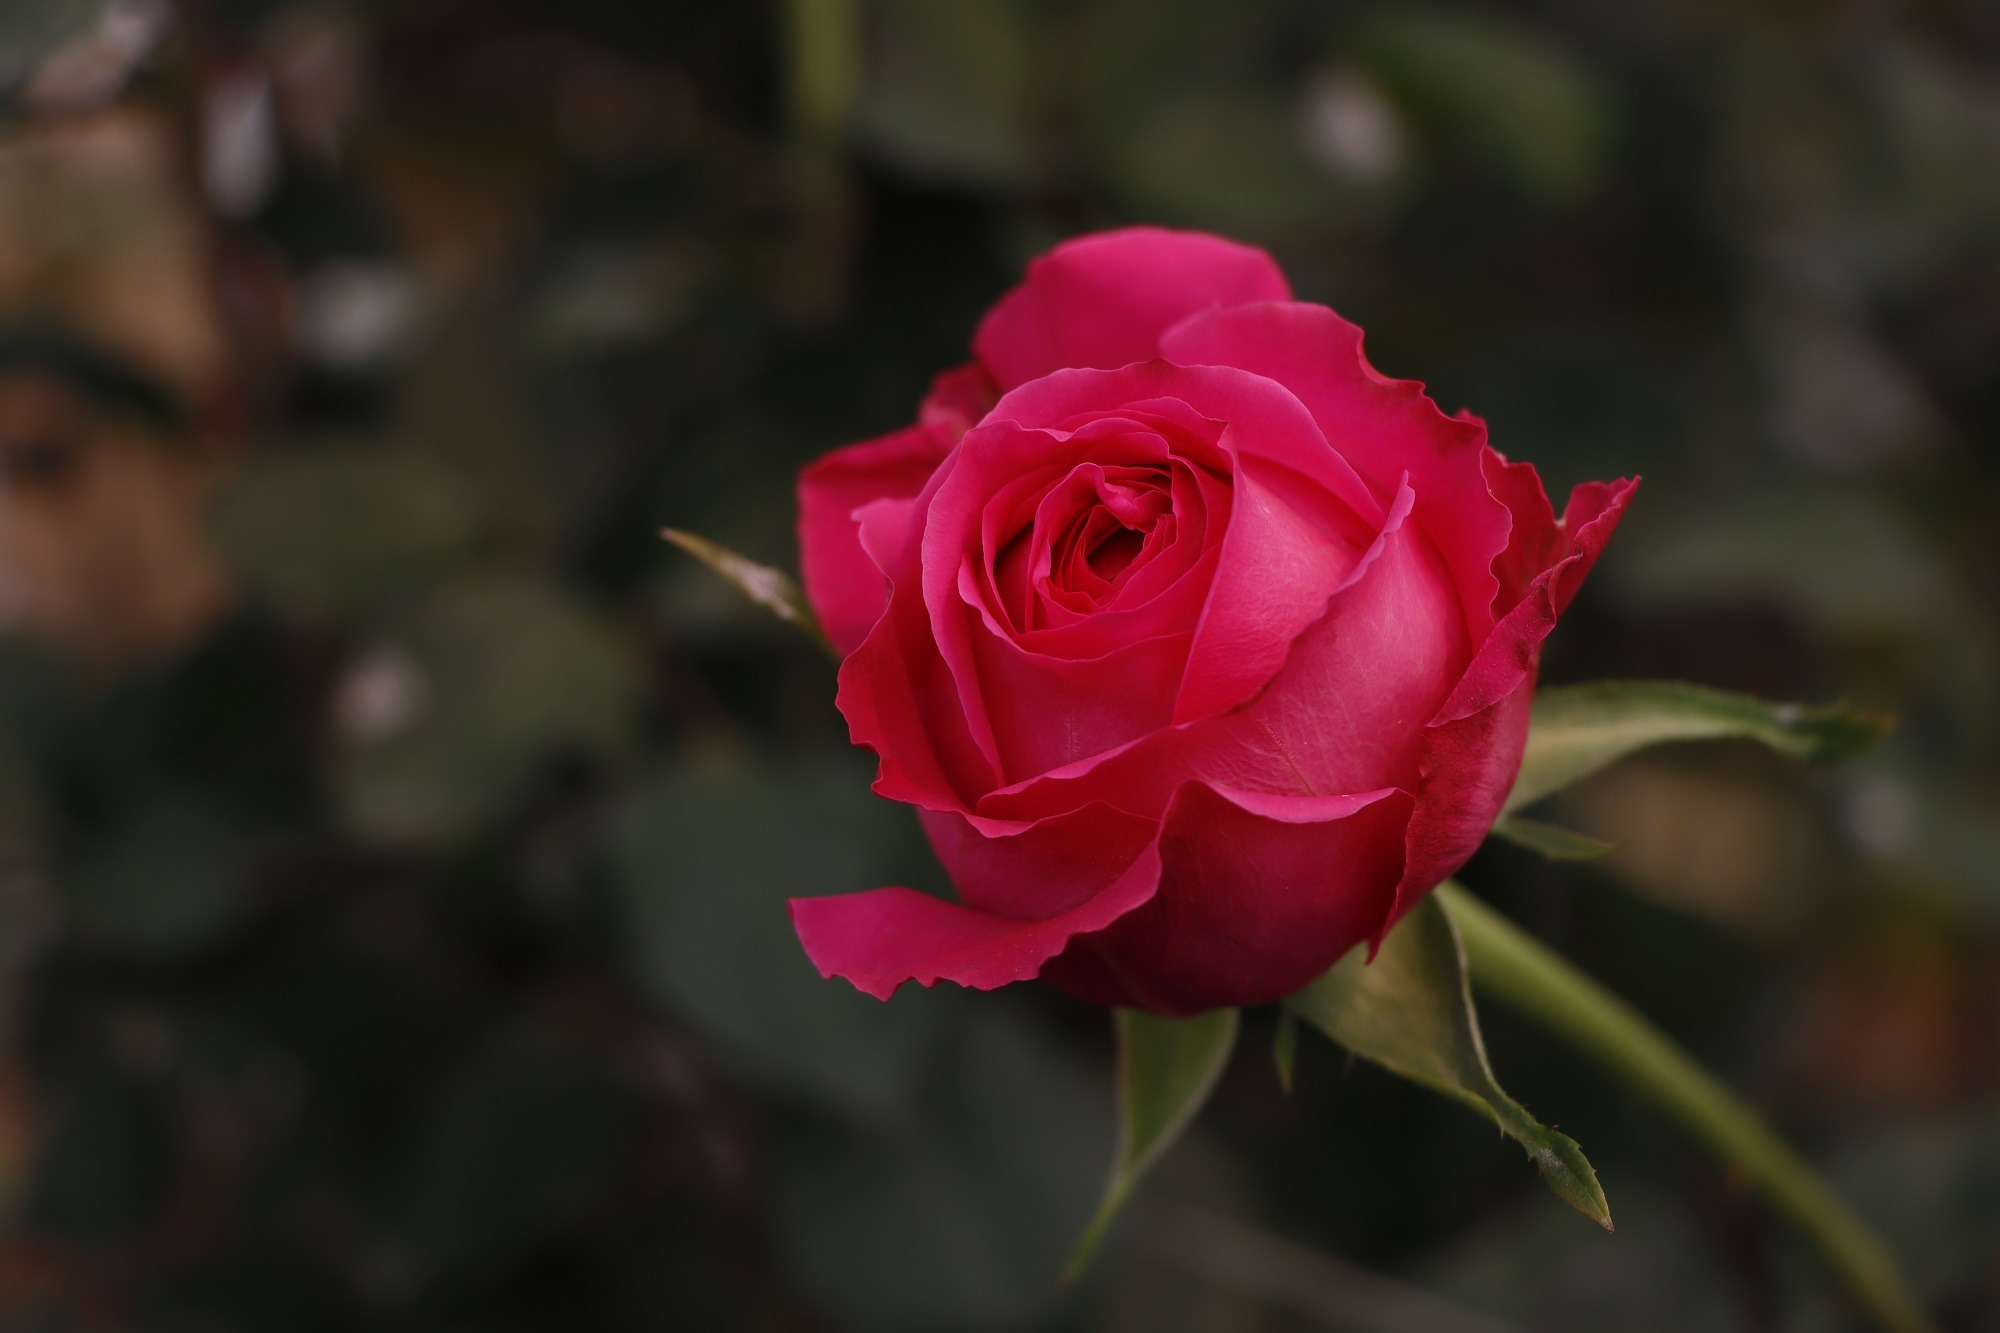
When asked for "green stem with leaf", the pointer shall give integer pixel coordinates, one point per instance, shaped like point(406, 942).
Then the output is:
point(1517, 969)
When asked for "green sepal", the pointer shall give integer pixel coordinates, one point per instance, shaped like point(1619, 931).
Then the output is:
point(1166, 1069)
point(772, 589)
point(1410, 1011)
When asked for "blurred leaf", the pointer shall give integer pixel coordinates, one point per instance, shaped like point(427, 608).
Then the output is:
point(954, 1214)
point(1944, 836)
point(528, 1135)
point(1840, 558)
point(1285, 1046)
point(507, 677)
point(1410, 1011)
point(105, 1169)
point(947, 89)
point(1934, 1190)
point(823, 41)
point(767, 587)
point(1233, 161)
point(1551, 840)
point(1166, 1069)
point(1195, 119)
point(345, 533)
point(29, 31)
point(1527, 106)
point(706, 856)
point(1579, 729)
point(1532, 1264)
point(164, 881)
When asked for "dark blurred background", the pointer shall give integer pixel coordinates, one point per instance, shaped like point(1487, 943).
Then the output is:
point(394, 833)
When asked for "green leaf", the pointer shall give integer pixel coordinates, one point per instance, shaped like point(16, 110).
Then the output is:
point(769, 588)
point(350, 535)
point(1410, 1011)
point(1580, 729)
point(950, 1212)
point(704, 854)
point(1166, 1069)
point(1551, 840)
point(1509, 97)
point(447, 724)
point(950, 89)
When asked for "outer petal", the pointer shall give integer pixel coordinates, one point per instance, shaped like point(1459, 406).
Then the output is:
point(1472, 748)
point(1103, 300)
point(845, 586)
point(896, 694)
point(846, 589)
point(1038, 870)
point(1384, 427)
point(1537, 539)
point(957, 400)
point(1510, 652)
point(881, 939)
point(1258, 895)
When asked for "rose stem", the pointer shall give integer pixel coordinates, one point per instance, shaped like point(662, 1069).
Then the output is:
point(1525, 974)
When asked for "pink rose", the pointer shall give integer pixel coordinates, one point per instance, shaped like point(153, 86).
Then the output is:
point(1204, 652)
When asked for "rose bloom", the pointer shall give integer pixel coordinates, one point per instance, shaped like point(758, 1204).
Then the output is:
point(1203, 650)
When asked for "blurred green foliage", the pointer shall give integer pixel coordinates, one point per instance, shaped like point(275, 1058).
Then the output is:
point(411, 952)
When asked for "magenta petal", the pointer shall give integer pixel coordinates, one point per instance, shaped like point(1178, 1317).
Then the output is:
point(1276, 569)
point(882, 527)
point(1468, 766)
point(1104, 300)
point(845, 586)
point(889, 689)
point(1258, 895)
point(1264, 419)
point(1036, 870)
point(1510, 651)
point(1536, 540)
point(1472, 748)
point(1337, 717)
point(1047, 712)
point(957, 400)
point(880, 939)
point(1384, 427)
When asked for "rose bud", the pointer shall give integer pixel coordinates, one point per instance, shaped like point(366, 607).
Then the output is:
point(1203, 650)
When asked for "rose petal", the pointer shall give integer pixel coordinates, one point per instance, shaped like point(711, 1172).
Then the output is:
point(1341, 715)
point(1041, 869)
point(843, 581)
point(1258, 895)
point(1047, 712)
point(1509, 653)
point(957, 400)
point(1302, 511)
point(880, 939)
point(1104, 300)
point(1265, 420)
point(1536, 540)
point(1472, 748)
point(845, 586)
point(898, 698)
point(1277, 567)
point(1383, 427)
